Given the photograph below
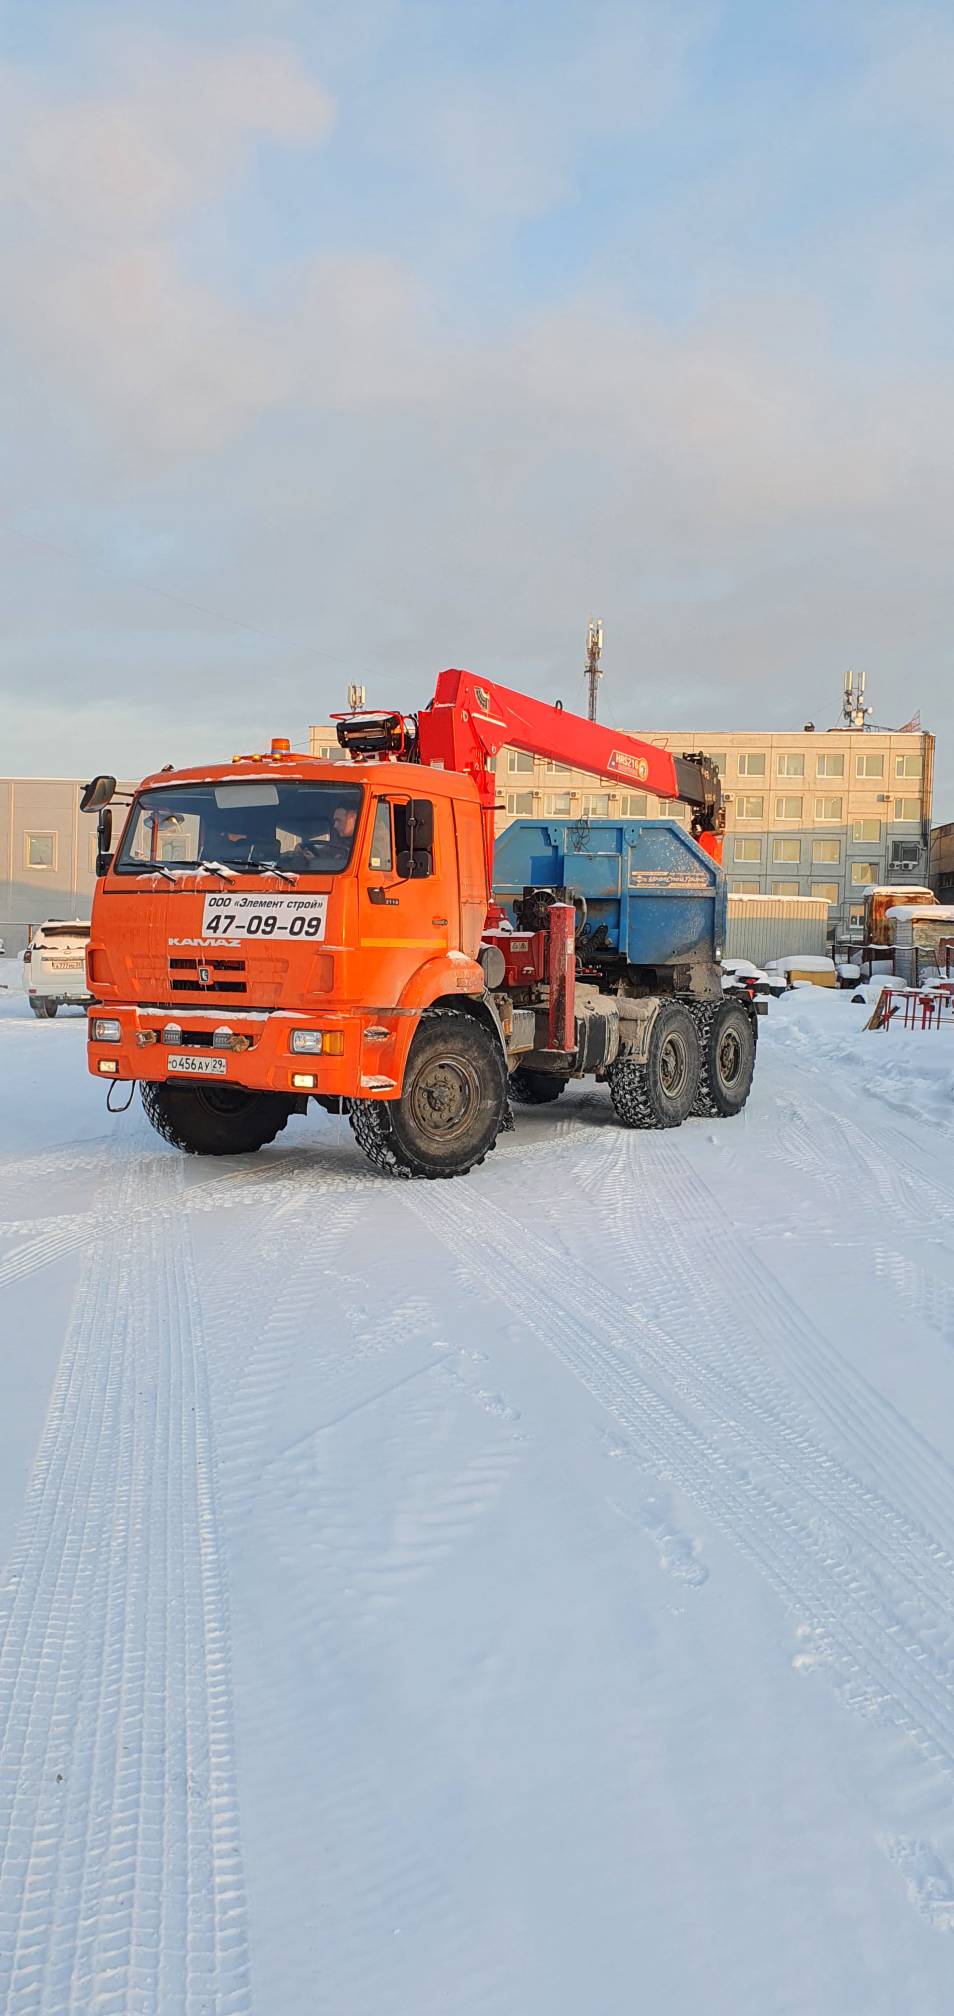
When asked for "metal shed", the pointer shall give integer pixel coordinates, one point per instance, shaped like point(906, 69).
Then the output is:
point(769, 927)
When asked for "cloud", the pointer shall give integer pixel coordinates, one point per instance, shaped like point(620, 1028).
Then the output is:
point(98, 291)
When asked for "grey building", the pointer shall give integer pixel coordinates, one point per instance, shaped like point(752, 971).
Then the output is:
point(47, 854)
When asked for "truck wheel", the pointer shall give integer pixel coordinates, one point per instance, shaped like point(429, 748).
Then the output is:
point(661, 1092)
point(727, 1039)
point(215, 1119)
point(451, 1108)
point(535, 1088)
point(43, 1008)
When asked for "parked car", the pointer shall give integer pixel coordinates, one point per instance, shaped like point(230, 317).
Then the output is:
point(54, 966)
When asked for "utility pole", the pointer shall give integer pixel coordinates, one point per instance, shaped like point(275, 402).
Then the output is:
point(594, 669)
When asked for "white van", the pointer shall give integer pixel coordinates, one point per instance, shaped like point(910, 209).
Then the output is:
point(54, 966)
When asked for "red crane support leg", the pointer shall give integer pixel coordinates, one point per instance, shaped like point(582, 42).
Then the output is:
point(561, 971)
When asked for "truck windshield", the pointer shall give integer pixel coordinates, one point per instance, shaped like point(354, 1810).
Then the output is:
point(247, 827)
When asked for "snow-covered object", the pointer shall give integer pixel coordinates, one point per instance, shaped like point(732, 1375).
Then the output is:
point(802, 962)
point(848, 972)
point(941, 914)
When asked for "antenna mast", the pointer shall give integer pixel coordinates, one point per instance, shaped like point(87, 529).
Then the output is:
point(594, 669)
point(854, 707)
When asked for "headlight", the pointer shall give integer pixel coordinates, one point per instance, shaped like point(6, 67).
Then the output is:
point(329, 1041)
point(306, 1040)
point(104, 1030)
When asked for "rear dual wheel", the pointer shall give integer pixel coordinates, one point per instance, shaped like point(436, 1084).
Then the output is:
point(661, 1091)
point(727, 1040)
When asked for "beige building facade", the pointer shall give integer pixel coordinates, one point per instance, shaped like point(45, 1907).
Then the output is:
point(809, 813)
point(47, 854)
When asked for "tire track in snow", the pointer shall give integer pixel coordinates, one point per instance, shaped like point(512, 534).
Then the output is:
point(121, 1878)
point(837, 1552)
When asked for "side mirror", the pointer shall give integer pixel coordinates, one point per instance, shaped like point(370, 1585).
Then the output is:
point(420, 836)
point(104, 838)
point(98, 792)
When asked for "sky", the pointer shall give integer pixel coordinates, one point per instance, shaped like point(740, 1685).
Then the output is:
point(343, 342)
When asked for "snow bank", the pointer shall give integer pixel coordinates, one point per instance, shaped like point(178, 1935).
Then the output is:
point(912, 1071)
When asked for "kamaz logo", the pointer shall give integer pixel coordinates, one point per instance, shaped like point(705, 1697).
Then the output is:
point(482, 698)
point(204, 976)
point(634, 766)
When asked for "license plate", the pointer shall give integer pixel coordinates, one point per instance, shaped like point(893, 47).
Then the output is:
point(66, 965)
point(196, 1067)
point(238, 915)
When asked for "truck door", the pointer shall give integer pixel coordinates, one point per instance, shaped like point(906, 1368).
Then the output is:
point(403, 917)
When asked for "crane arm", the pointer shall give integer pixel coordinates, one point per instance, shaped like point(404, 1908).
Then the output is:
point(469, 720)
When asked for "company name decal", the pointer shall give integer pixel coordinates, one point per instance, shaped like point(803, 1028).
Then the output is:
point(634, 766)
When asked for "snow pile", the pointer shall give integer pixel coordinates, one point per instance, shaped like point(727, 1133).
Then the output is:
point(909, 1070)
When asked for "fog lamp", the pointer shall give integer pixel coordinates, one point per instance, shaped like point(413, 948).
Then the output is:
point(304, 1081)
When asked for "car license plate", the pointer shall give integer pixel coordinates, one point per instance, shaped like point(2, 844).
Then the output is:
point(66, 965)
point(239, 914)
point(196, 1067)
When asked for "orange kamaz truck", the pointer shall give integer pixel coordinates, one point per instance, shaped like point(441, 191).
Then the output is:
point(279, 929)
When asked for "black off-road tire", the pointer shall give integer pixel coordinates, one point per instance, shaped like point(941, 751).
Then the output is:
point(215, 1119)
point(728, 1034)
point(43, 1008)
point(535, 1088)
point(661, 1092)
point(452, 1106)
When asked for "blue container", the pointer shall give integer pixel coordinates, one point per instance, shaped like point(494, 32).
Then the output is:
point(661, 898)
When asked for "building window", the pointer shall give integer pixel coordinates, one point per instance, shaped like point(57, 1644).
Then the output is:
point(866, 829)
point(751, 763)
point(634, 804)
point(864, 871)
point(784, 888)
point(39, 850)
point(856, 914)
point(869, 766)
point(905, 854)
point(519, 763)
point(519, 802)
point(790, 764)
point(828, 851)
point(907, 766)
point(329, 752)
point(556, 769)
point(749, 808)
point(596, 805)
point(786, 850)
point(830, 766)
point(744, 889)
point(827, 890)
point(718, 757)
point(747, 850)
point(788, 808)
point(908, 808)
point(828, 810)
point(558, 803)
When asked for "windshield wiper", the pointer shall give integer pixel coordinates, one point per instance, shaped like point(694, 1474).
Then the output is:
point(217, 868)
point(262, 868)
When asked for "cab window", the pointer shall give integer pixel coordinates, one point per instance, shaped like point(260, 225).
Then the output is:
point(381, 856)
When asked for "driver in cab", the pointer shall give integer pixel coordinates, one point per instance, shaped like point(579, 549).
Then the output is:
point(323, 851)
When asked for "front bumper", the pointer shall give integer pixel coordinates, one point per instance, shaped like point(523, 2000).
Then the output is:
point(265, 1063)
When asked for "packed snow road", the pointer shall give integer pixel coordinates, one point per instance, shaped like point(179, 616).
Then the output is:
point(531, 1595)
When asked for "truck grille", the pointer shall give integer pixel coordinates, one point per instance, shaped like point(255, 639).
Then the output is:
point(184, 976)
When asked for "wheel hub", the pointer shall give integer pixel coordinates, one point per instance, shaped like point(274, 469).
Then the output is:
point(673, 1066)
point(730, 1057)
point(443, 1097)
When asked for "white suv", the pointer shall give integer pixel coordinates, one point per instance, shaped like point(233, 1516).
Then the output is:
point(54, 966)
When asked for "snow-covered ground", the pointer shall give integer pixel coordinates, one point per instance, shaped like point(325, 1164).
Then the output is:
point(532, 1595)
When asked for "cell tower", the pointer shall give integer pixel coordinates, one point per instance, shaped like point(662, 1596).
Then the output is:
point(593, 668)
point(854, 707)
